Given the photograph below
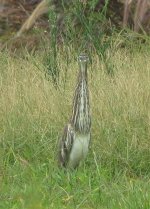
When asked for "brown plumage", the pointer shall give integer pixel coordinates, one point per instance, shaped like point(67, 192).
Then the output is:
point(74, 143)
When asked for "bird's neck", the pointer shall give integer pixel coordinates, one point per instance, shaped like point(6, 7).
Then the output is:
point(83, 70)
point(81, 114)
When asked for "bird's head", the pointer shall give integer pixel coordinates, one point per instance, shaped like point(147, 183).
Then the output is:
point(83, 60)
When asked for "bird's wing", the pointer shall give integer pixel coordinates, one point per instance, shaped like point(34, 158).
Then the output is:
point(65, 145)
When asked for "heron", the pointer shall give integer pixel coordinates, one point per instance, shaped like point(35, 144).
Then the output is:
point(74, 142)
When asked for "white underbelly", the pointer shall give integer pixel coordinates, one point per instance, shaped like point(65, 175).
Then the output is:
point(79, 150)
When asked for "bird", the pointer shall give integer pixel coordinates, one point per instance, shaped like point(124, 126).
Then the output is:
point(74, 142)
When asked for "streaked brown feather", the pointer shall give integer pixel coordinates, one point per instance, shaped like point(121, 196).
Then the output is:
point(65, 145)
point(74, 142)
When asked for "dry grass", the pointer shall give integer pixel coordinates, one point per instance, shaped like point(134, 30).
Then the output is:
point(33, 112)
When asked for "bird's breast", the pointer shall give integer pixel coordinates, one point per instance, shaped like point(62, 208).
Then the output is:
point(79, 149)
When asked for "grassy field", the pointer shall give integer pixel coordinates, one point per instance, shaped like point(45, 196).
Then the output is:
point(33, 113)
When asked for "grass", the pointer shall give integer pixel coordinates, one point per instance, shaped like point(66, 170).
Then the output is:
point(33, 112)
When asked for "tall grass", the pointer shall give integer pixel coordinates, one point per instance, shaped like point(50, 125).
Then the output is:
point(51, 62)
point(33, 112)
point(79, 26)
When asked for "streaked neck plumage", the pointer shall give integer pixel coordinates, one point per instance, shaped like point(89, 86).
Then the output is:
point(81, 119)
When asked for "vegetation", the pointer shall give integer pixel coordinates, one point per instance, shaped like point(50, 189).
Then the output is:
point(16, 17)
point(33, 112)
point(36, 91)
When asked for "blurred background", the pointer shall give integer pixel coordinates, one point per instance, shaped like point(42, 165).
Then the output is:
point(132, 14)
